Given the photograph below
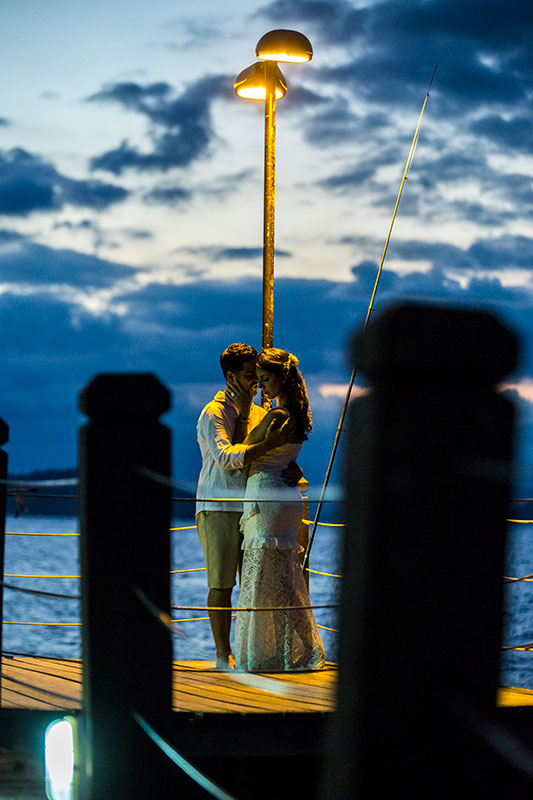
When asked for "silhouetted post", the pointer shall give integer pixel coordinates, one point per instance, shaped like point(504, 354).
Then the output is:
point(427, 483)
point(125, 545)
point(4, 436)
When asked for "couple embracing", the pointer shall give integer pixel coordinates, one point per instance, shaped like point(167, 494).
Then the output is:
point(249, 452)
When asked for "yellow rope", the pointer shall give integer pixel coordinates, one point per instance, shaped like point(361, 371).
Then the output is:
point(195, 619)
point(342, 525)
point(19, 533)
point(11, 533)
point(327, 574)
point(7, 575)
point(323, 627)
point(193, 527)
point(172, 572)
point(252, 608)
point(196, 569)
point(186, 528)
point(67, 624)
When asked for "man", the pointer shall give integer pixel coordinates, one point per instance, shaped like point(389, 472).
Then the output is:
point(222, 427)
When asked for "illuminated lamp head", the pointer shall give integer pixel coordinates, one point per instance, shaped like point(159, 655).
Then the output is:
point(251, 82)
point(283, 45)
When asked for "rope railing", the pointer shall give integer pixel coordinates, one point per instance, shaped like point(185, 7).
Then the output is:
point(257, 681)
point(22, 533)
point(38, 592)
point(234, 610)
point(528, 647)
point(524, 579)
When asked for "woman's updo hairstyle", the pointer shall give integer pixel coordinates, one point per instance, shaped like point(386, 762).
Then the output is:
point(284, 366)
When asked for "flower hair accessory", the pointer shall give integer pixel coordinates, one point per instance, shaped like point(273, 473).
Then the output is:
point(291, 361)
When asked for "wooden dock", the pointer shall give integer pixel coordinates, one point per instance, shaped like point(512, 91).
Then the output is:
point(50, 684)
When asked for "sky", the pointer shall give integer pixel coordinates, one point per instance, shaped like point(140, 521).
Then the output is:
point(131, 191)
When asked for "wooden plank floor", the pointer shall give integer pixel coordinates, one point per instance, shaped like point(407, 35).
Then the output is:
point(48, 684)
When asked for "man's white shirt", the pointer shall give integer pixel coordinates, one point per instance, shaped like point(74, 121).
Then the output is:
point(223, 474)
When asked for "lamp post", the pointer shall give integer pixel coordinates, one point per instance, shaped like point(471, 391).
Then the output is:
point(264, 81)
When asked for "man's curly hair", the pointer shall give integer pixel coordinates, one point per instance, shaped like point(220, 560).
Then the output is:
point(235, 356)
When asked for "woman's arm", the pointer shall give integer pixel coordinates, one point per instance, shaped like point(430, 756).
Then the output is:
point(275, 416)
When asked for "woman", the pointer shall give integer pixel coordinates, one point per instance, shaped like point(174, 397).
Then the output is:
point(271, 573)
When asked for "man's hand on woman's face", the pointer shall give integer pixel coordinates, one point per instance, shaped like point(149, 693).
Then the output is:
point(241, 396)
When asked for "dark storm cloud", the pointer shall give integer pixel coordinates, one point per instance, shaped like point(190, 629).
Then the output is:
point(484, 255)
point(231, 253)
point(353, 179)
point(336, 20)
point(180, 126)
point(28, 184)
point(244, 253)
point(505, 252)
point(52, 334)
point(202, 318)
point(9, 236)
point(299, 97)
point(338, 124)
point(169, 195)
point(51, 348)
point(219, 187)
point(512, 134)
point(484, 58)
point(28, 263)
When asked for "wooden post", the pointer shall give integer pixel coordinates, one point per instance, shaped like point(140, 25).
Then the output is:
point(427, 483)
point(125, 545)
point(4, 436)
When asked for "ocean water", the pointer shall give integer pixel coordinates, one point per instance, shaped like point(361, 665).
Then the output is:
point(59, 555)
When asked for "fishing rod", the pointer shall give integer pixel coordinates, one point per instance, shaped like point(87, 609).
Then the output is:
point(369, 311)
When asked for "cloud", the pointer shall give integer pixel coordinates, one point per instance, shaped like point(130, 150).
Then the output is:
point(512, 134)
point(490, 254)
point(395, 44)
point(301, 97)
point(344, 21)
point(24, 263)
point(350, 180)
point(4, 122)
point(180, 126)
point(169, 195)
point(338, 123)
point(232, 253)
point(51, 347)
point(29, 184)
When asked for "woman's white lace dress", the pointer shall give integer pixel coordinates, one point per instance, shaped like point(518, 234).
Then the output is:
point(272, 575)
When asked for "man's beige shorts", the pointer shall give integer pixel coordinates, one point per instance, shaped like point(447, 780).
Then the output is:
point(221, 542)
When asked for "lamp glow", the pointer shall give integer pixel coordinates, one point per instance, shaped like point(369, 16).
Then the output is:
point(59, 759)
point(284, 45)
point(251, 83)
